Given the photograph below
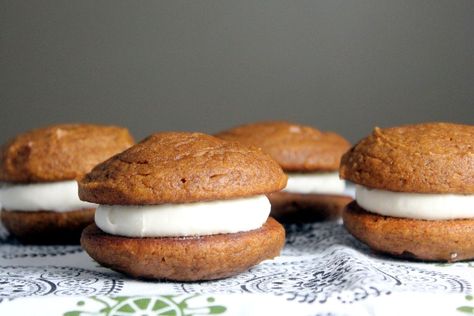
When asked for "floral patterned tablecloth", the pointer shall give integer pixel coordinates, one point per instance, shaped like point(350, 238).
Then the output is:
point(322, 271)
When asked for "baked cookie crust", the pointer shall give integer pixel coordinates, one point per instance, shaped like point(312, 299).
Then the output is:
point(288, 207)
point(185, 258)
point(180, 167)
point(444, 240)
point(423, 158)
point(295, 147)
point(60, 152)
point(47, 227)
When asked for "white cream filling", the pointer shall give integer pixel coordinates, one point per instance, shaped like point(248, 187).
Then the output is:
point(320, 182)
point(61, 196)
point(416, 205)
point(187, 219)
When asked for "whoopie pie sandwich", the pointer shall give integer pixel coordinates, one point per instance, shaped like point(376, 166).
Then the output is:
point(38, 172)
point(415, 191)
point(310, 158)
point(184, 207)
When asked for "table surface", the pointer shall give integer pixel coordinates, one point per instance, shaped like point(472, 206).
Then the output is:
point(322, 271)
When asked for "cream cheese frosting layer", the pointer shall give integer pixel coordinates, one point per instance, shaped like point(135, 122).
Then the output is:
point(187, 219)
point(415, 205)
point(61, 196)
point(321, 182)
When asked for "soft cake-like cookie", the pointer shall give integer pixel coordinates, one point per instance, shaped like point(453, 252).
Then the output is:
point(311, 159)
point(183, 206)
point(414, 193)
point(38, 170)
point(60, 152)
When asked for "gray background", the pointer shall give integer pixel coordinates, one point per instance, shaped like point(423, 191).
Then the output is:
point(207, 65)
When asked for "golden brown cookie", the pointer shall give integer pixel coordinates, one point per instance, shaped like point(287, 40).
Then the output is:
point(55, 153)
point(434, 158)
point(47, 227)
point(446, 240)
point(302, 149)
point(295, 147)
point(302, 208)
point(185, 258)
point(60, 152)
point(423, 158)
point(179, 167)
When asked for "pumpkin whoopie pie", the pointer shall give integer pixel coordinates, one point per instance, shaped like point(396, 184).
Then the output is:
point(415, 191)
point(38, 171)
point(184, 207)
point(310, 158)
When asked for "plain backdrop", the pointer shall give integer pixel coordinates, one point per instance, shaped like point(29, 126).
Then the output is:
point(204, 66)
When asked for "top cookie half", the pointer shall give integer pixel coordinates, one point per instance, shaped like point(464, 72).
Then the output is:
point(60, 152)
point(176, 167)
point(423, 158)
point(297, 148)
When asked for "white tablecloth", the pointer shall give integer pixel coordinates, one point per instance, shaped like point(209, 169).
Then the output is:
point(322, 271)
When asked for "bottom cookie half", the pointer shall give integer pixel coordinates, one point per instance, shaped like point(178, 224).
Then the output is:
point(185, 258)
point(304, 208)
point(443, 240)
point(47, 227)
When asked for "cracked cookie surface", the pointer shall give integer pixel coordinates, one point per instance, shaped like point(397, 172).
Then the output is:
point(180, 167)
point(60, 152)
point(423, 158)
point(296, 147)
